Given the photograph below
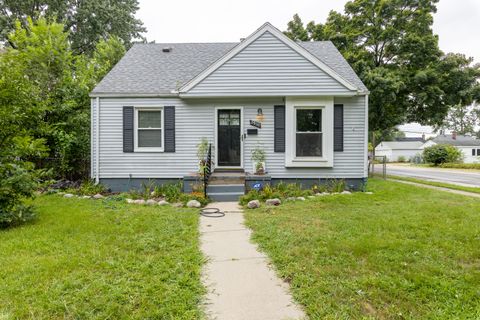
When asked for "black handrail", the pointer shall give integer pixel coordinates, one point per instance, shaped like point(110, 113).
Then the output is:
point(207, 170)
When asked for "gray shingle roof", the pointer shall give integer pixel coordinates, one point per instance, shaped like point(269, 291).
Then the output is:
point(460, 140)
point(399, 145)
point(146, 69)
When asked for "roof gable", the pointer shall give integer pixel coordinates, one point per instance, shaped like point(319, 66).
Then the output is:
point(268, 63)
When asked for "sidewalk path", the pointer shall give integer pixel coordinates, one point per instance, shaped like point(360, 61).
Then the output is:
point(240, 284)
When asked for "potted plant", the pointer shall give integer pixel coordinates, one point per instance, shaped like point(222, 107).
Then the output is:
point(258, 159)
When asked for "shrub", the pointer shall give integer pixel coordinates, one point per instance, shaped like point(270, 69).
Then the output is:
point(172, 192)
point(88, 187)
point(336, 185)
point(402, 159)
point(416, 159)
point(441, 153)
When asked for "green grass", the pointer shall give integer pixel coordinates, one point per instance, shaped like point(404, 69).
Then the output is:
point(404, 252)
point(87, 259)
point(436, 184)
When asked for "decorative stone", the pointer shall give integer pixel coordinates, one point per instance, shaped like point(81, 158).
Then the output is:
point(273, 202)
point(140, 201)
point(291, 199)
point(130, 200)
point(368, 192)
point(301, 198)
point(194, 204)
point(346, 192)
point(178, 205)
point(163, 203)
point(98, 196)
point(86, 197)
point(253, 204)
point(325, 193)
point(311, 197)
point(319, 194)
point(68, 195)
point(151, 202)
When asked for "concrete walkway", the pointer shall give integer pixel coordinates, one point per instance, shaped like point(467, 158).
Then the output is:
point(240, 284)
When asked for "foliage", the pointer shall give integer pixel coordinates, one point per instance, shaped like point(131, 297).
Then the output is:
point(79, 257)
point(462, 119)
point(49, 87)
point(417, 158)
point(172, 192)
point(202, 149)
point(87, 22)
point(88, 188)
point(391, 46)
point(402, 159)
point(376, 256)
point(199, 196)
point(258, 157)
point(441, 153)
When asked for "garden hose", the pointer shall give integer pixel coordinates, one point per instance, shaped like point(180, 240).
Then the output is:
point(211, 212)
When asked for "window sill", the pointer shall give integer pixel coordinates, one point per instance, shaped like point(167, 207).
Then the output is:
point(152, 150)
point(309, 163)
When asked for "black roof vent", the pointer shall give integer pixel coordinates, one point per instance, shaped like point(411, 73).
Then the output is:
point(167, 49)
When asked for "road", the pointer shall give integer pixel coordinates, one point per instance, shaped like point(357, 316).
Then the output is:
point(454, 176)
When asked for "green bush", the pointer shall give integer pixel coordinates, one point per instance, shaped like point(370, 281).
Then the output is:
point(441, 153)
point(402, 159)
point(88, 187)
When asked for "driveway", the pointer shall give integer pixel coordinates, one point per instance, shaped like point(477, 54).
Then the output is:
point(454, 176)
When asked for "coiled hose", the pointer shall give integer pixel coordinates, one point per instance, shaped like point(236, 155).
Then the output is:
point(212, 212)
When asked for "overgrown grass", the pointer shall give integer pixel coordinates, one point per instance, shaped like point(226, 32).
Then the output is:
point(99, 259)
point(436, 184)
point(404, 252)
point(474, 166)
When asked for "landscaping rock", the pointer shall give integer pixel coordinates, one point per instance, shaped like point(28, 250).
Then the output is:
point(140, 201)
point(163, 203)
point(178, 205)
point(273, 202)
point(311, 197)
point(301, 198)
point(346, 192)
point(291, 199)
point(68, 195)
point(151, 202)
point(253, 204)
point(368, 192)
point(86, 197)
point(98, 196)
point(325, 193)
point(319, 194)
point(194, 204)
point(130, 200)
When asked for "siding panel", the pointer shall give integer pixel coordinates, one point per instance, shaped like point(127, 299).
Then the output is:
point(268, 66)
point(195, 119)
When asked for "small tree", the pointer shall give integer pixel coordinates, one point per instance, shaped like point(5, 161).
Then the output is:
point(441, 153)
point(258, 158)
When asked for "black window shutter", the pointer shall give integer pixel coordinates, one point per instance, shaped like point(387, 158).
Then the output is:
point(169, 114)
point(279, 129)
point(128, 118)
point(338, 127)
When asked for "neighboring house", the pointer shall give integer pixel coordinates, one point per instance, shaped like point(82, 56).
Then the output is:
point(469, 146)
point(300, 102)
point(396, 150)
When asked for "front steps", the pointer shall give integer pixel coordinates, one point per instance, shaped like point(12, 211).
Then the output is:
point(226, 185)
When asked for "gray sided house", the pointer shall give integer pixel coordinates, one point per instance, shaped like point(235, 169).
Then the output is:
point(300, 102)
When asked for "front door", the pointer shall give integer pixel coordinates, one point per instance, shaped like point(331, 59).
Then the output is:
point(228, 135)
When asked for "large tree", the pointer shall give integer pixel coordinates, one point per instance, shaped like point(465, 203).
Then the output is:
point(88, 21)
point(391, 45)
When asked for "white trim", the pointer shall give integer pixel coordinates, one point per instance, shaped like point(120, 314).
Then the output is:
point(217, 108)
point(132, 95)
point(291, 105)
point(267, 27)
point(295, 130)
point(365, 151)
point(92, 135)
point(97, 158)
point(136, 148)
point(266, 95)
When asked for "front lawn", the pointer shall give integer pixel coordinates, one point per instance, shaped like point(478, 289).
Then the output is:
point(404, 252)
point(99, 259)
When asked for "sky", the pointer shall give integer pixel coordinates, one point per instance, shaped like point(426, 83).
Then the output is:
point(457, 23)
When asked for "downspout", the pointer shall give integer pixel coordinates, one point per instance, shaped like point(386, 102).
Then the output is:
point(97, 142)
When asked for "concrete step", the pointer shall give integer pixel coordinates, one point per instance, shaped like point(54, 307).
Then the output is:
point(225, 196)
point(222, 188)
point(225, 180)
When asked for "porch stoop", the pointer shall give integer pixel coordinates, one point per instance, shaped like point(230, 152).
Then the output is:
point(226, 185)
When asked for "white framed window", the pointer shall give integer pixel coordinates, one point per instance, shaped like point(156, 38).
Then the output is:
point(308, 132)
point(149, 129)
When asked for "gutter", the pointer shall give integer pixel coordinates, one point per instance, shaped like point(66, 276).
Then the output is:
point(97, 142)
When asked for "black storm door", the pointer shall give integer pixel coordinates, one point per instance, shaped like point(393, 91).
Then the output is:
point(229, 138)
